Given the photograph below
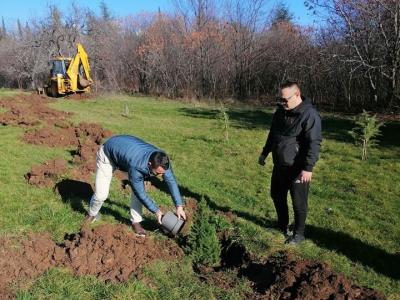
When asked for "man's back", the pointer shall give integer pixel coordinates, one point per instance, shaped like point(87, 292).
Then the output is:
point(127, 151)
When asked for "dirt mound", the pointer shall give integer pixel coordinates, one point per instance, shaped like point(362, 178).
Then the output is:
point(85, 155)
point(47, 173)
point(32, 109)
point(89, 137)
point(29, 110)
point(29, 259)
point(284, 277)
point(51, 137)
point(93, 131)
point(57, 131)
point(110, 252)
point(85, 137)
point(63, 135)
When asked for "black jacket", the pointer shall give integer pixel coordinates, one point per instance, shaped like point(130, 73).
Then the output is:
point(295, 136)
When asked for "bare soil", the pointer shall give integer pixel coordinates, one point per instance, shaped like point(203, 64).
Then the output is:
point(30, 111)
point(283, 276)
point(66, 135)
point(113, 253)
point(47, 173)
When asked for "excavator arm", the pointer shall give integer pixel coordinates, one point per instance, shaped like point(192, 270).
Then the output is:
point(80, 59)
point(70, 76)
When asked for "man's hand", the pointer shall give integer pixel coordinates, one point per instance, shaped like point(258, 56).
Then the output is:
point(159, 215)
point(261, 160)
point(305, 176)
point(180, 213)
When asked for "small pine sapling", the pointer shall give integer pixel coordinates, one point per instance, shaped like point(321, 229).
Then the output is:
point(365, 132)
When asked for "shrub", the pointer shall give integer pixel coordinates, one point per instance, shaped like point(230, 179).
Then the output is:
point(203, 243)
point(220, 223)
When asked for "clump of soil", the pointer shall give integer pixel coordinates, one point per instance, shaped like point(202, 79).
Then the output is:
point(19, 261)
point(57, 131)
point(281, 276)
point(44, 175)
point(85, 155)
point(89, 138)
point(51, 137)
point(85, 137)
point(92, 131)
point(63, 136)
point(284, 277)
point(29, 110)
point(110, 252)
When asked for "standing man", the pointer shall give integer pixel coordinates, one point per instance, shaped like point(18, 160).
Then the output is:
point(294, 140)
point(141, 160)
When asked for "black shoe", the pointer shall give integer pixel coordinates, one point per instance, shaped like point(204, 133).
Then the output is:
point(295, 240)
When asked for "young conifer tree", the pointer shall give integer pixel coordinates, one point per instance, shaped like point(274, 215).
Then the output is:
point(204, 245)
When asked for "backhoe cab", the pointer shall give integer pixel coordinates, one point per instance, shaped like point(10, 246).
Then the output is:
point(69, 75)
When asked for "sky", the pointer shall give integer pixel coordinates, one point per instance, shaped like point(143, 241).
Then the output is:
point(11, 10)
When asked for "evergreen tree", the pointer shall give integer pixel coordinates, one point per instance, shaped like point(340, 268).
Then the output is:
point(281, 13)
point(365, 132)
point(105, 11)
point(204, 246)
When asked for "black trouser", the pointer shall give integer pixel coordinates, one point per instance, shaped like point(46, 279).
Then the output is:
point(284, 180)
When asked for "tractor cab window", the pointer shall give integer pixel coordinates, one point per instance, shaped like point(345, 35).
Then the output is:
point(58, 68)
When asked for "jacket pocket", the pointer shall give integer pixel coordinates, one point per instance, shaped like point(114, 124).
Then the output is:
point(285, 151)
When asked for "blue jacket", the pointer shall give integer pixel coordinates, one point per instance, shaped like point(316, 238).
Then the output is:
point(131, 154)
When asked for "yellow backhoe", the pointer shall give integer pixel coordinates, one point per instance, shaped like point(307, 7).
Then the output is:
point(69, 75)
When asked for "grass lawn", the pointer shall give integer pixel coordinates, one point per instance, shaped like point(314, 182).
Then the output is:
point(353, 222)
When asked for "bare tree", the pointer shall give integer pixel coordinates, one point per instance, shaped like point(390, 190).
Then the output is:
point(371, 32)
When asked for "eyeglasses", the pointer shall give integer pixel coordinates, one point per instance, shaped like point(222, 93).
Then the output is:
point(283, 100)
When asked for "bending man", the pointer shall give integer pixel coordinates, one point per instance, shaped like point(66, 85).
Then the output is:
point(141, 160)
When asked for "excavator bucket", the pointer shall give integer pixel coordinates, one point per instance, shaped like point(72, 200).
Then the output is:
point(84, 83)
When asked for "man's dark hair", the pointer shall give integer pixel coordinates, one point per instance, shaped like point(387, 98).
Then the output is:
point(289, 83)
point(158, 159)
